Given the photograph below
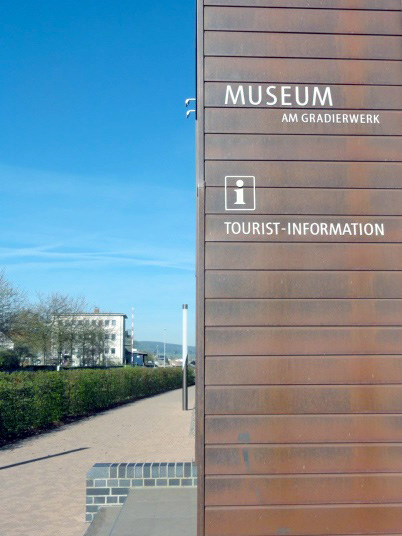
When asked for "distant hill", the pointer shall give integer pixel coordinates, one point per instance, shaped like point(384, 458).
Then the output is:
point(172, 350)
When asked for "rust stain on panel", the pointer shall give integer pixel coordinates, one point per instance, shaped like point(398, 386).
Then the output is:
point(303, 370)
point(303, 313)
point(352, 428)
point(309, 174)
point(249, 256)
point(308, 147)
point(297, 284)
point(390, 5)
point(301, 20)
point(303, 459)
point(299, 400)
point(302, 340)
point(297, 46)
point(303, 71)
point(302, 489)
point(302, 520)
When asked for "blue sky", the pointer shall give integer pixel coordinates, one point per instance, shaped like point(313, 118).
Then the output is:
point(96, 157)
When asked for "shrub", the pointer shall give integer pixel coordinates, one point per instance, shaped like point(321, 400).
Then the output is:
point(32, 401)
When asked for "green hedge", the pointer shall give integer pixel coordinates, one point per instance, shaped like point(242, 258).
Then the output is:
point(9, 360)
point(32, 401)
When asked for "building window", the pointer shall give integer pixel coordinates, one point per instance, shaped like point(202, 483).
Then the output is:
point(113, 322)
point(100, 322)
point(106, 350)
point(106, 337)
point(113, 350)
point(94, 322)
point(113, 337)
point(107, 322)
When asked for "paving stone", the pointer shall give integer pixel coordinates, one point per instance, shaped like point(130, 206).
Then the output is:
point(49, 495)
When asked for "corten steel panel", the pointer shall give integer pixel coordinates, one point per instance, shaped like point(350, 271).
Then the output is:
point(200, 281)
point(306, 147)
point(249, 256)
point(300, 337)
point(303, 459)
point(284, 201)
point(302, 489)
point(309, 174)
point(301, 21)
point(346, 97)
point(303, 71)
point(234, 121)
point(303, 520)
point(255, 229)
point(302, 340)
point(303, 370)
point(314, 284)
point(391, 5)
point(379, 428)
point(297, 46)
point(303, 313)
point(296, 399)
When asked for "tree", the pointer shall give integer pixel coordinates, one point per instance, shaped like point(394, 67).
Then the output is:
point(49, 326)
point(9, 360)
point(55, 328)
point(11, 304)
point(93, 342)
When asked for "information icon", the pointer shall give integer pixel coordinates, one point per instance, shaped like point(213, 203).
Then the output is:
point(239, 193)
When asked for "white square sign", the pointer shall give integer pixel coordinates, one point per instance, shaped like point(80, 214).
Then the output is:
point(239, 193)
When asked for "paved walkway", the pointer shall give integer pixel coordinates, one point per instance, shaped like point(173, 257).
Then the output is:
point(47, 497)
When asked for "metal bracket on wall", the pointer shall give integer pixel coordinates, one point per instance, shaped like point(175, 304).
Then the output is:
point(187, 103)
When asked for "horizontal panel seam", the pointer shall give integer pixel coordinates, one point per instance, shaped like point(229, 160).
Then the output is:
point(305, 8)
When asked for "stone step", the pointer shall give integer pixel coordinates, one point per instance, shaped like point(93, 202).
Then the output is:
point(157, 512)
point(103, 521)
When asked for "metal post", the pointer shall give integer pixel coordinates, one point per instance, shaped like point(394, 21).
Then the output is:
point(185, 359)
point(132, 336)
point(164, 347)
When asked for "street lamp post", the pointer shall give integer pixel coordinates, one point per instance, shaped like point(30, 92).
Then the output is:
point(185, 358)
point(164, 347)
point(132, 336)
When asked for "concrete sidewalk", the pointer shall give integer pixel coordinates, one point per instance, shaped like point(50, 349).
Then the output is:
point(47, 497)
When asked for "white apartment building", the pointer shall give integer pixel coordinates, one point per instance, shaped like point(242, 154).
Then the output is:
point(113, 328)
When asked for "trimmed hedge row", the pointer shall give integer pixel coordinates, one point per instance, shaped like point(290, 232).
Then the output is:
point(32, 401)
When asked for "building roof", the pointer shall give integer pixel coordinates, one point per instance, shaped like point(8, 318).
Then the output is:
point(93, 314)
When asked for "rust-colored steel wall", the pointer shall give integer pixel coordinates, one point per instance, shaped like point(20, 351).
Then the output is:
point(299, 267)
